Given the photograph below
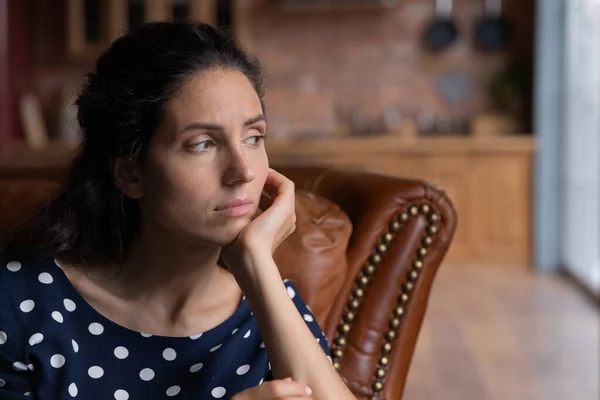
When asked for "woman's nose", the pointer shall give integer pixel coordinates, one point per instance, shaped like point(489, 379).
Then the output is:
point(238, 169)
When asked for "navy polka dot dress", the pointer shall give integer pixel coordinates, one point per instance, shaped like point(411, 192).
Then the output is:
point(54, 345)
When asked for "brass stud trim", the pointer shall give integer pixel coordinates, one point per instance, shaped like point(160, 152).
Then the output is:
point(403, 298)
point(386, 348)
point(362, 281)
point(349, 316)
point(413, 275)
point(377, 386)
point(364, 278)
point(369, 269)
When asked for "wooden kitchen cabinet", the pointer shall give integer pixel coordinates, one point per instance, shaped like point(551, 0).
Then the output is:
point(93, 24)
point(490, 182)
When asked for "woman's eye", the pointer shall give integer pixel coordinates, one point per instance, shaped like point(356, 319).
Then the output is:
point(202, 146)
point(254, 140)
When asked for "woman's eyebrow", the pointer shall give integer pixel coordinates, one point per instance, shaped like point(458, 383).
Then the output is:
point(217, 127)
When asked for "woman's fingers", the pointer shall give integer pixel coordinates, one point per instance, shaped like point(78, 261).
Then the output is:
point(276, 390)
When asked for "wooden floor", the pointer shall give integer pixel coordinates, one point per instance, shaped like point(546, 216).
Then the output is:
point(493, 333)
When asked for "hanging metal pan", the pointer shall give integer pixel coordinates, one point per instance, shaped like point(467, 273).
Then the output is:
point(442, 32)
point(493, 32)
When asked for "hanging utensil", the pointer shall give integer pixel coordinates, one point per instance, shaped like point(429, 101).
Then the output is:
point(494, 31)
point(442, 31)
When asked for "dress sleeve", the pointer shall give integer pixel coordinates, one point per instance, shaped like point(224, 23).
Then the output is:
point(309, 318)
point(15, 370)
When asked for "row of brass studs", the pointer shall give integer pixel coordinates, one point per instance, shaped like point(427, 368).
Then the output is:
point(404, 297)
point(362, 281)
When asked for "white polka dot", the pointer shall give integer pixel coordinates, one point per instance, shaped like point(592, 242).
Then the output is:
point(262, 345)
point(318, 340)
point(30, 367)
point(95, 372)
point(291, 292)
point(27, 394)
point(169, 354)
point(57, 360)
point(269, 366)
point(75, 346)
point(2, 382)
point(330, 360)
point(57, 316)
point(73, 390)
point(261, 381)
point(147, 374)
point(247, 335)
point(13, 266)
point(308, 318)
point(196, 367)
point(286, 280)
point(194, 337)
point(19, 366)
point(234, 331)
point(121, 395)
point(27, 306)
point(309, 309)
point(121, 353)
point(3, 337)
point(57, 263)
point(145, 334)
point(36, 338)
point(96, 329)
point(243, 369)
point(218, 392)
point(216, 347)
point(45, 278)
point(69, 305)
point(173, 391)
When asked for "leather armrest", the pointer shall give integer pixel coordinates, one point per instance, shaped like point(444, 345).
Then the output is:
point(401, 231)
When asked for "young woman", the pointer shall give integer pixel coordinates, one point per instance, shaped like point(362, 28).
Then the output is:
point(150, 274)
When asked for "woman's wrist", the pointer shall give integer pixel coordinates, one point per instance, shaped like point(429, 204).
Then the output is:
point(253, 267)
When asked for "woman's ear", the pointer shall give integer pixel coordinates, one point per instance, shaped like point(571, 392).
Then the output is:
point(127, 175)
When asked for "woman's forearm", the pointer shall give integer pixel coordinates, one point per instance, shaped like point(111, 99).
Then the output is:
point(292, 348)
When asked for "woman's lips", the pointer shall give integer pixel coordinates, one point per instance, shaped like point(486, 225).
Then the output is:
point(235, 208)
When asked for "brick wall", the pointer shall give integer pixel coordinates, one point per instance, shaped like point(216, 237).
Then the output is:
point(318, 62)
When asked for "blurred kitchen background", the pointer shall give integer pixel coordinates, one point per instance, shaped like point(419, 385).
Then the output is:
point(495, 101)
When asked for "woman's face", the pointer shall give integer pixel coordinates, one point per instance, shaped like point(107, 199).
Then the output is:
point(206, 164)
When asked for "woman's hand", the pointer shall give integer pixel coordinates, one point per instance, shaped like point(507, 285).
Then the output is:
point(266, 232)
point(279, 389)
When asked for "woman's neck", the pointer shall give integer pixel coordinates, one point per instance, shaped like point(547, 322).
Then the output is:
point(162, 288)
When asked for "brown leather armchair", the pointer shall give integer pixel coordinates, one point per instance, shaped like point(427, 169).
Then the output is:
point(372, 306)
point(401, 231)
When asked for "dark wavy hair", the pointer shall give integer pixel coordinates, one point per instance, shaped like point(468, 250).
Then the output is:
point(90, 221)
